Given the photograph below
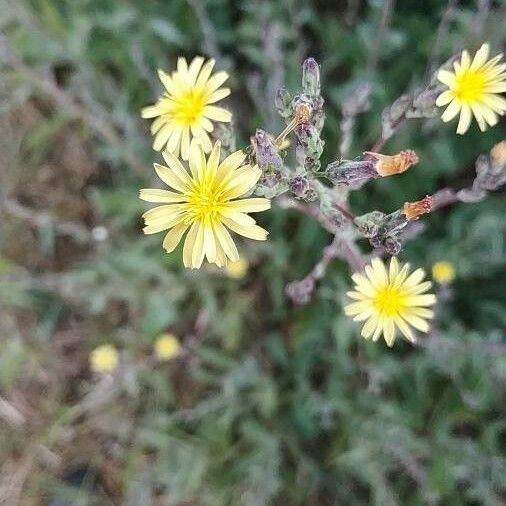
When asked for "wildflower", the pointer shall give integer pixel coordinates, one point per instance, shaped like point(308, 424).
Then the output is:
point(473, 89)
point(167, 347)
point(443, 272)
point(104, 359)
point(205, 202)
point(185, 111)
point(238, 269)
point(387, 165)
point(412, 210)
point(387, 300)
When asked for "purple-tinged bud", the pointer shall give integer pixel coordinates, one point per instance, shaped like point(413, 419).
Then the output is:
point(299, 185)
point(300, 291)
point(392, 245)
point(311, 77)
point(350, 172)
point(265, 150)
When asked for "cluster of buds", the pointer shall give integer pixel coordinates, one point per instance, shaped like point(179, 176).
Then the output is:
point(384, 230)
point(306, 115)
point(355, 173)
point(490, 175)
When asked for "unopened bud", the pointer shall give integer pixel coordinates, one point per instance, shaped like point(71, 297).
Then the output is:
point(300, 291)
point(392, 245)
point(412, 210)
point(311, 77)
point(299, 185)
point(369, 224)
point(389, 165)
point(349, 172)
point(265, 150)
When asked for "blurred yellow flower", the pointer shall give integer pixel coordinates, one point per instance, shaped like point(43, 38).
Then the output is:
point(390, 299)
point(185, 111)
point(238, 269)
point(473, 89)
point(104, 358)
point(206, 203)
point(167, 347)
point(443, 272)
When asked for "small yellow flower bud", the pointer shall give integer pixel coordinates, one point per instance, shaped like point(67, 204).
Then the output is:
point(443, 272)
point(413, 210)
point(389, 165)
point(167, 347)
point(238, 269)
point(104, 359)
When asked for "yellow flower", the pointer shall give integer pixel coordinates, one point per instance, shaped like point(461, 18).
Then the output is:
point(237, 270)
point(185, 111)
point(473, 89)
point(206, 203)
point(443, 272)
point(167, 347)
point(104, 359)
point(387, 300)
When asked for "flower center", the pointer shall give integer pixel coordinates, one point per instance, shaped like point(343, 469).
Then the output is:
point(204, 204)
point(188, 108)
point(389, 301)
point(469, 86)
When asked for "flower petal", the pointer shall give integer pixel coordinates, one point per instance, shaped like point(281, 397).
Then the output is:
point(173, 237)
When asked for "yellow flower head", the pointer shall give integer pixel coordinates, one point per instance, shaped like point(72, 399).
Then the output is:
point(237, 270)
point(390, 299)
point(473, 89)
point(167, 347)
point(104, 359)
point(443, 272)
point(205, 201)
point(185, 111)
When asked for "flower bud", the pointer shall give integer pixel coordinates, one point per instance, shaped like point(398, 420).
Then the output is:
point(300, 291)
point(392, 245)
point(311, 77)
point(265, 150)
point(369, 224)
point(387, 165)
point(412, 210)
point(349, 172)
point(299, 185)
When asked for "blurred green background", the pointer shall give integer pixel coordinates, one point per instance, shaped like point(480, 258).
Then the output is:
point(268, 403)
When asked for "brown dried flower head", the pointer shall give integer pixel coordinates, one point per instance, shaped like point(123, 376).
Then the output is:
point(413, 210)
point(389, 165)
point(302, 113)
point(498, 153)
